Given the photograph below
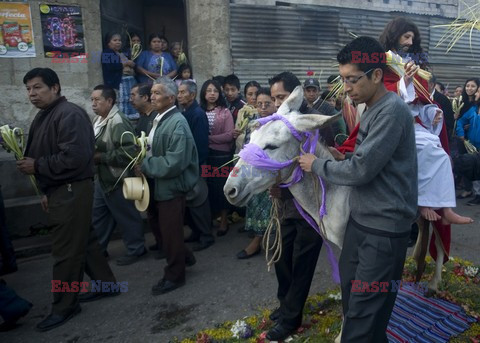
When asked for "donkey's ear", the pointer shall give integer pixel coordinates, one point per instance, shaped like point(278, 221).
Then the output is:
point(309, 122)
point(293, 102)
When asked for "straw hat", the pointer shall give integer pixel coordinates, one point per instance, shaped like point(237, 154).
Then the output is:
point(136, 188)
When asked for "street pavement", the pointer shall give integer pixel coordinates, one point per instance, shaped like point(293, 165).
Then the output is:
point(219, 288)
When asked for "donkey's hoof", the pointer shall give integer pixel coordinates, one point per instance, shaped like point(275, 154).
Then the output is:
point(430, 292)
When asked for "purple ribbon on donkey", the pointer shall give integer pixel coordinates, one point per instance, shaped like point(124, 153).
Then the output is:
point(255, 156)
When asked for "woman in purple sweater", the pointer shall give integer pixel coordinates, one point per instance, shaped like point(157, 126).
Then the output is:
point(220, 141)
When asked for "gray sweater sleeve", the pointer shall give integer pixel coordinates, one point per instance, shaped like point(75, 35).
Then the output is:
point(369, 158)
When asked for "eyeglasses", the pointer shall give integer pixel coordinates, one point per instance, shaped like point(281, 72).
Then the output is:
point(263, 104)
point(353, 80)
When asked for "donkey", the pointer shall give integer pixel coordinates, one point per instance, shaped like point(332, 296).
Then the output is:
point(276, 140)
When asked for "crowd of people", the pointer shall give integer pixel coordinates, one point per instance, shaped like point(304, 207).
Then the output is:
point(390, 124)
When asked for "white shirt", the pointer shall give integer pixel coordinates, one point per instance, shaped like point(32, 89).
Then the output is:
point(154, 127)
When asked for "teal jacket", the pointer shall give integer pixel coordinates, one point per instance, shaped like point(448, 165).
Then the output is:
point(114, 148)
point(174, 160)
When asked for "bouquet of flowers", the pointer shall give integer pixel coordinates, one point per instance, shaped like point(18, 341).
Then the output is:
point(13, 140)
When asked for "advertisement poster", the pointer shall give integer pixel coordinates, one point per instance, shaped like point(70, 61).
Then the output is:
point(62, 30)
point(16, 33)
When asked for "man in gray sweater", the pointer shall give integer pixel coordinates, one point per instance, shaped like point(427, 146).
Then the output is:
point(382, 172)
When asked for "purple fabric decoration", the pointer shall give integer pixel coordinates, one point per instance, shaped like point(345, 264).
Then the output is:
point(255, 156)
point(276, 116)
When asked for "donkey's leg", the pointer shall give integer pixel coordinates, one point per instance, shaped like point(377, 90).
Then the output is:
point(421, 247)
point(437, 276)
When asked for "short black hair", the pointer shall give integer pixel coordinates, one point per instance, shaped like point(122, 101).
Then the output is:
point(232, 80)
point(264, 91)
point(48, 76)
point(326, 95)
point(289, 80)
point(144, 89)
point(219, 78)
point(107, 92)
point(366, 47)
point(331, 79)
point(441, 85)
point(251, 84)
point(157, 35)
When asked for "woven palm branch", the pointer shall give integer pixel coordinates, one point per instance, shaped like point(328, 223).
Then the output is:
point(459, 27)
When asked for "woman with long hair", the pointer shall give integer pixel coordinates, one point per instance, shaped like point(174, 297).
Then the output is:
point(220, 141)
point(468, 97)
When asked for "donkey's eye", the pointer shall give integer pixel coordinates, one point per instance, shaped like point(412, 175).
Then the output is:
point(270, 147)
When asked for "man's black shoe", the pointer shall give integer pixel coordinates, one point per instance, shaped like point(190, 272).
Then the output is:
point(4, 270)
point(279, 333)
point(12, 322)
point(475, 201)
point(93, 296)
point(192, 238)
point(165, 286)
point(153, 247)
point(190, 261)
point(159, 255)
point(56, 320)
point(201, 246)
point(275, 315)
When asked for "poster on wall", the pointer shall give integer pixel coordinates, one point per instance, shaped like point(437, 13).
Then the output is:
point(62, 31)
point(16, 33)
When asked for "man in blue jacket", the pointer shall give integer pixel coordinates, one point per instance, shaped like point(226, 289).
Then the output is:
point(198, 208)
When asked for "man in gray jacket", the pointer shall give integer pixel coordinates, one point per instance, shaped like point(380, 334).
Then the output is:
point(383, 174)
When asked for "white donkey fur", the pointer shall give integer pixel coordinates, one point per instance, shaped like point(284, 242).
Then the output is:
point(277, 141)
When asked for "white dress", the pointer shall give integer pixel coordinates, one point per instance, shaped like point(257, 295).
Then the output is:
point(436, 186)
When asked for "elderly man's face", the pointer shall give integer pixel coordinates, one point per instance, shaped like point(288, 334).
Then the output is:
point(136, 99)
point(185, 98)
point(40, 95)
point(160, 99)
point(100, 106)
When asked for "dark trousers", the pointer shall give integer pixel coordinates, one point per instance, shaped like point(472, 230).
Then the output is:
point(152, 215)
point(8, 261)
point(75, 247)
point(300, 249)
point(199, 219)
point(111, 210)
point(170, 223)
point(369, 257)
point(11, 305)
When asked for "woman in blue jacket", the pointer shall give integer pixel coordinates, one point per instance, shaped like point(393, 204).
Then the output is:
point(118, 73)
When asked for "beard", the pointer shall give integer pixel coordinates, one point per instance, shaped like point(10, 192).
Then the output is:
point(403, 49)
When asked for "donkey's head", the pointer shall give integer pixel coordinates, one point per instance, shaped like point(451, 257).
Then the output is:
point(275, 138)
